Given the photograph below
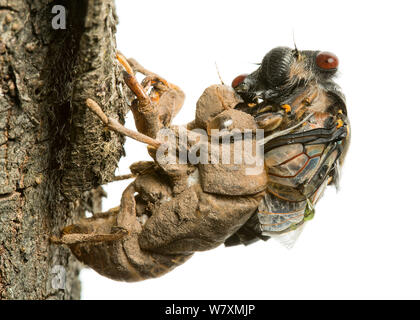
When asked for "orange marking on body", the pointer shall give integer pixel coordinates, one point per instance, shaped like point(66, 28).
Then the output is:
point(286, 108)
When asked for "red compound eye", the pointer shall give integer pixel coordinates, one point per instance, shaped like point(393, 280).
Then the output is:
point(327, 60)
point(238, 80)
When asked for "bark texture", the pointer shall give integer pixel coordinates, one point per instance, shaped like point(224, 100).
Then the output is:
point(54, 153)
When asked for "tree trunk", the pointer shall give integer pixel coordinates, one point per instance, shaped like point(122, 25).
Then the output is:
point(53, 150)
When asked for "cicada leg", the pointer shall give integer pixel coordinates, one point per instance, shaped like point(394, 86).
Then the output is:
point(123, 177)
point(168, 96)
point(154, 110)
point(109, 242)
point(107, 226)
point(100, 228)
point(114, 125)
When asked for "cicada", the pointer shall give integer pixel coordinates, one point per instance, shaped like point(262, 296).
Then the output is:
point(172, 210)
point(294, 98)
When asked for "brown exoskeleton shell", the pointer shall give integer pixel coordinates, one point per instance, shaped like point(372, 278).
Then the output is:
point(179, 208)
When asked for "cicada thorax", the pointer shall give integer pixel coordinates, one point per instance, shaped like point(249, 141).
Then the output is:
point(302, 145)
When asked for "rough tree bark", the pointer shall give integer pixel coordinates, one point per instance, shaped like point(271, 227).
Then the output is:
point(53, 151)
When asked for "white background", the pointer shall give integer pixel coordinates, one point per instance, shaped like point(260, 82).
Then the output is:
point(364, 241)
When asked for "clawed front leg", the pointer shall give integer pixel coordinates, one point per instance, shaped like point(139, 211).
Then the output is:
point(162, 103)
point(168, 96)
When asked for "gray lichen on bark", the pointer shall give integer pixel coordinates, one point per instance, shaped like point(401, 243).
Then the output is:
point(54, 154)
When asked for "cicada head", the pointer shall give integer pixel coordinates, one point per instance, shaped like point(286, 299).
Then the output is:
point(286, 73)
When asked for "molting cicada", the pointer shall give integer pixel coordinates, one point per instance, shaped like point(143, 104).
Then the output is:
point(172, 210)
